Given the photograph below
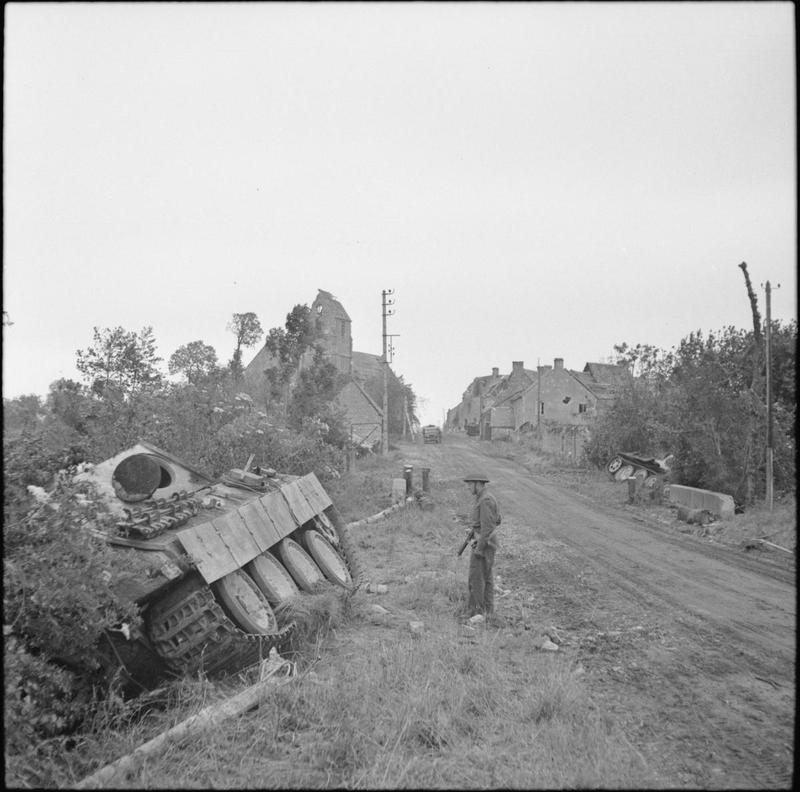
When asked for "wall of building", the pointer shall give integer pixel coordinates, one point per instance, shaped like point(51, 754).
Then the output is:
point(361, 416)
point(566, 401)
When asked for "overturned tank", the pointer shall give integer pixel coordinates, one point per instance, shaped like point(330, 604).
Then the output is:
point(210, 561)
point(630, 464)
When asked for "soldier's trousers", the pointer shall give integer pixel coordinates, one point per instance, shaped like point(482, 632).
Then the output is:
point(481, 582)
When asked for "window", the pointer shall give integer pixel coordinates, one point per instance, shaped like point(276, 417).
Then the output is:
point(581, 408)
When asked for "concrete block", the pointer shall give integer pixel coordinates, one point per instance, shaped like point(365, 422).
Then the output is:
point(398, 490)
point(719, 504)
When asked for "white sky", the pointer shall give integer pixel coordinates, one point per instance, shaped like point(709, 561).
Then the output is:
point(533, 180)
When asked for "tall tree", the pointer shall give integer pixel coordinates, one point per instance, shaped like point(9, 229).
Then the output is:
point(121, 360)
point(287, 345)
point(248, 330)
point(315, 389)
point(194, 360)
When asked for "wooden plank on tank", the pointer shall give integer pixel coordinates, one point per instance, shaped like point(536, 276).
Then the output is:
point(234, 534)
point(314, 492)
point(278, 510)
point(209, 552)
point(300, 507)
point(259, 524)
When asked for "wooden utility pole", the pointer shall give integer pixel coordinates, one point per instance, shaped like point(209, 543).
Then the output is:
point(538, 397)
point(385, 303)
point(769, 396)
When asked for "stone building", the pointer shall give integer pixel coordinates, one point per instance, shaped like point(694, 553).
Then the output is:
point(497, 417)
point(363, 416)
point(552, 404)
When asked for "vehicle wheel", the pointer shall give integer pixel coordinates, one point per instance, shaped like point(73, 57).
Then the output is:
point(244, 603)
point(623, 473)
point(614, 465)
point(328, 560)
point(300, 565)
point(271, 577)
point(190, 631)
point(325, 527)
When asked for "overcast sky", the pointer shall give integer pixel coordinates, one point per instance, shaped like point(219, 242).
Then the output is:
point(533, 180)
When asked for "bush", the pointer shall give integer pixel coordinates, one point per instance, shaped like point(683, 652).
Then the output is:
point(56, 605)
point(56, 573)
point(41, 699)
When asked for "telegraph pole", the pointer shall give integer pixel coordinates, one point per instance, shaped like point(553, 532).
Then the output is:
point(768, 334)
point(386, 311)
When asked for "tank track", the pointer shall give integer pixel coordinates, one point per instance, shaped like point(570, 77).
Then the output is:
point(190, 631)
point(348, 550)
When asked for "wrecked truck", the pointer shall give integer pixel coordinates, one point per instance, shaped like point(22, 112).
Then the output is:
point(218, 558)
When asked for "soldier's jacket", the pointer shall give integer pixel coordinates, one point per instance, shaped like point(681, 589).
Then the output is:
point(485, 519)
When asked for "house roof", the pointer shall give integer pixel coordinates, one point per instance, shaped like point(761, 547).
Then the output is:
point(263, 360)
point(366, 366)
point(377, 409)
point(608, 373)
point(503, 390)
point(603, 379)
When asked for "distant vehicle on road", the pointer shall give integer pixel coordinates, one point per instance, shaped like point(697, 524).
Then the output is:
point(431, 434)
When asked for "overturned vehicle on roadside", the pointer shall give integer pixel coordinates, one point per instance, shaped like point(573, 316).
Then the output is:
point(218, 557)
point(631, 464)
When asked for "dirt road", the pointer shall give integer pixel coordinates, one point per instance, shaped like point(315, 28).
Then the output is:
point(689, 644)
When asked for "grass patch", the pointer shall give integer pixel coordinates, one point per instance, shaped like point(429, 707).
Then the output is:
point(778, 526)
point(367, 489)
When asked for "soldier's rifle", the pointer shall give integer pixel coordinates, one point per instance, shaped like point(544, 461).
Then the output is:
point(463, 547)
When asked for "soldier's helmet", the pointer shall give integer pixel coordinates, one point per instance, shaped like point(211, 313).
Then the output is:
point(477, 477)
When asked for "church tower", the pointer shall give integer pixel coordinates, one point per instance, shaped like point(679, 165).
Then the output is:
point(334, 325)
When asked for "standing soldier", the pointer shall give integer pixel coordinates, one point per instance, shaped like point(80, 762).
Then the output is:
point(484, 520)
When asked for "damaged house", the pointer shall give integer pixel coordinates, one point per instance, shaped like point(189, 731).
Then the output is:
point(364, 418)
point(552, 404)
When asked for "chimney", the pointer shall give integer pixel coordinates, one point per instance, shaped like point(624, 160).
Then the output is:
point(558, 363)
point(495, 372)
point(516, 366)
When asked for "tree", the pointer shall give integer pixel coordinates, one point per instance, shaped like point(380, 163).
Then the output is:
point(316, 388)
point(399, 394)
point(287, 345)
point(194, 360)
point(68, 401)
point(248, 330)
point(21, 414)
point(703, 403)
point(120, 360)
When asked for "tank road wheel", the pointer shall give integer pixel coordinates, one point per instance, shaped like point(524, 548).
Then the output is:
point(300, 565)
point(328, 560)
point(244, 602)
point(190, 631)
point(271, 577)
point(325, 527)
point(623, 473)
point(614, 465)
